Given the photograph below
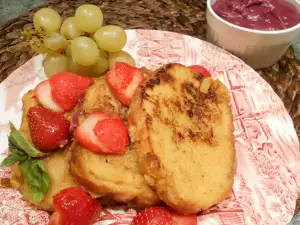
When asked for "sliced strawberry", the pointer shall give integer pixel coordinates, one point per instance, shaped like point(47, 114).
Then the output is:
point(113, 134)
point(102, 133)
point(179, 219)
point(73, 206)
point(85, 134)
point(49, 130)
point(123, 80)
point(44, 96)
point(153, 216)
point(201, 70)
point(67, 88)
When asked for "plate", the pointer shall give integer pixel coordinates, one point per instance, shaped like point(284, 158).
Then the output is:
point(266, 182)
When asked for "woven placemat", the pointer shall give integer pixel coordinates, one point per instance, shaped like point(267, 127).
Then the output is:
point(182, 16)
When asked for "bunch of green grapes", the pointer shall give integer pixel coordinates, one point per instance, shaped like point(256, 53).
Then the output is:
point(79, 44)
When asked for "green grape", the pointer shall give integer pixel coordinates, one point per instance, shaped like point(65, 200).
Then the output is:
point(89, 18)
point(54, 64)
point(79, 69)
point(55, 42)
point(103, 53)
point(47, 19)
point(111, 38)
point(99, 67)
point(69, 29)
point(84, 51)
point(120, 56)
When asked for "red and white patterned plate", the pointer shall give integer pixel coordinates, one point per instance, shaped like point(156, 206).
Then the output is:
point(267, 179)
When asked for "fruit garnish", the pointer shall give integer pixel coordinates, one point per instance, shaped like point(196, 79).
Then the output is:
point(62, 91)
point(121, 56)
point(113, 134)
point(123, 80)
point(84, 51)
point(80, 38)
point(32, 168)
point(54, 64)
point(69, 29)
point(67, 88)
point(45, 98)
point(55, 42)
point(47, 19)
point(201, 70)
point(102, 133)
point(49, 130)
point(153, 216)
point(111, 38)
point(73, 206)
point(179, 219)
point(89, 18)
point(163, 216)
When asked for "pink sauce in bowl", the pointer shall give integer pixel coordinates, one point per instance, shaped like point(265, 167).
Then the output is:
point(267, 15)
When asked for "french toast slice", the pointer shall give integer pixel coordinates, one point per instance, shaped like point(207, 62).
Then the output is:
point(57, 164)
point(116, 176)
point(99, 97)
point(182, 126)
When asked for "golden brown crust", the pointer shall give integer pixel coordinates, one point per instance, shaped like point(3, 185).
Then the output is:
point(56, 164)
point(182, 127)
point(116, 176)
point(100, 98)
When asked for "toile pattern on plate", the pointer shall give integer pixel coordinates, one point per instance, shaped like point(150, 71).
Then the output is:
point(267, 181)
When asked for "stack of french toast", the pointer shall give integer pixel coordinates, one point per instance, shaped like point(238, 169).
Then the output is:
point(179, 150)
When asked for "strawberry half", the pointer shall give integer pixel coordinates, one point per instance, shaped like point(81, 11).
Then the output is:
point(49, 130)
point(153, 216)
point(102, 133)
point(73, 206)
point(123, 80)
point(179, 219)
point(201, 70)
point(62, 91)
point(44, 96)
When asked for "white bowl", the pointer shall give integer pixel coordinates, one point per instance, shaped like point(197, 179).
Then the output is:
point(258, 49)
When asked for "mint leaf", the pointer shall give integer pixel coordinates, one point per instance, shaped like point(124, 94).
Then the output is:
point(11, 159)
point(35, 174)
point(36, 195)
point(16, 139)
point(14, 149)
point(36, 178)
point(45, 179)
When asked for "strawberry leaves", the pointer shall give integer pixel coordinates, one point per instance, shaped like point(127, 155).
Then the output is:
point(34, 171)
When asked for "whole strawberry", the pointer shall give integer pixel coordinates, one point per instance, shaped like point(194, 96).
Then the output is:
point(74, 206)
point(49, 130)
point(163, 216)
point(153, 216)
